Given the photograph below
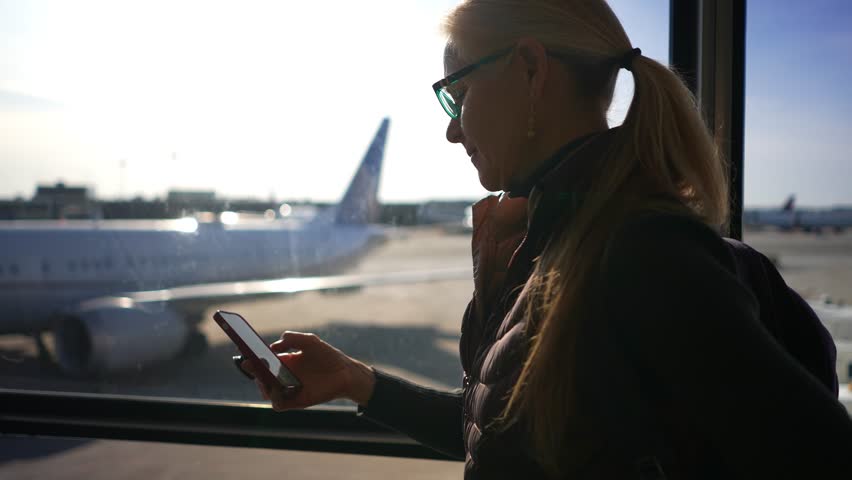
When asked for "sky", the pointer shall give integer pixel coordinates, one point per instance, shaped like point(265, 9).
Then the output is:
point(798, 102)
point(280, 99)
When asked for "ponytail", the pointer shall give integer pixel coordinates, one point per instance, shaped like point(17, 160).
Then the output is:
point(666, 134)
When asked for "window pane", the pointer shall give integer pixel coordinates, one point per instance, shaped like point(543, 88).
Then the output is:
point(797, 143)
point(647, 26)
point(168, 145)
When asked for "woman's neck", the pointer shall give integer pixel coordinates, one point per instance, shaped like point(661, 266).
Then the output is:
point(548, 142)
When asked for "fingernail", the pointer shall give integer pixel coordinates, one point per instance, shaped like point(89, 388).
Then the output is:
point(290, 392)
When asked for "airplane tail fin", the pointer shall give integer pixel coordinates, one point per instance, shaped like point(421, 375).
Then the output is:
point(789, 204)
point(360, 203)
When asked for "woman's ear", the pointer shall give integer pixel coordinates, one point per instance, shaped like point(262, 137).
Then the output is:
point(533, 56)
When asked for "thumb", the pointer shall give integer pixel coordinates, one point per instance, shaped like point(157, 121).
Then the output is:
point(294, 341)
point(289, 359)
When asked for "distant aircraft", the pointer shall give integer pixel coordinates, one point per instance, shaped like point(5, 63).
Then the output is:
point(788, 218)
point(835, 219)
point(452, 216)
point(121, 295)
point(783, 218)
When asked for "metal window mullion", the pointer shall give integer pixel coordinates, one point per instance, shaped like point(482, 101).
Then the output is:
point(721, 89)
point(684, 41)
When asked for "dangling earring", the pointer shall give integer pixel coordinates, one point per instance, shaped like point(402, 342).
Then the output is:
point(531, 122)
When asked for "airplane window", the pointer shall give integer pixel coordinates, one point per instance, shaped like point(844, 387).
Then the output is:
point(798, 204)
point(202, 150)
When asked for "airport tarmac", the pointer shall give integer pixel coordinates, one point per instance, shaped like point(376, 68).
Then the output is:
point(812, 264)
point(409, 330)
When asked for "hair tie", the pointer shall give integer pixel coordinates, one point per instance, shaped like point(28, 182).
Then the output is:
point(626, 61)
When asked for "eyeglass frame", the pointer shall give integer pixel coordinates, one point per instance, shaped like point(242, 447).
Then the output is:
point(454, 77)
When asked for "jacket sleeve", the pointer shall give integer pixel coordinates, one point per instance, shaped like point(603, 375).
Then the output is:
point(432, 417)
point(693, 330)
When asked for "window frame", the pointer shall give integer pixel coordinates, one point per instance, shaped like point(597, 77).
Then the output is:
point(201, 422)
point(707, 46)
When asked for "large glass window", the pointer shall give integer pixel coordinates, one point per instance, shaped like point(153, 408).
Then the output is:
point(798, 200)
point(162, 145)
point(156, 146)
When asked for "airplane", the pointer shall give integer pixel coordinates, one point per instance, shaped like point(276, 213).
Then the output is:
point(789, 218)
point(782, 218)
point(452, 216)
point(122, 294)
point(835, 219)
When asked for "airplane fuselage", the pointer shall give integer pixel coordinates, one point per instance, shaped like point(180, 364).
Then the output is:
point(808, 220)
point(46, 269)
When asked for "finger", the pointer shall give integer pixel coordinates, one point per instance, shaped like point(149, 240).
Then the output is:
point(278, 400)
point(263, 390)
point(294, 341)
point(290, 359)
point(244, 366)
point(285, 399)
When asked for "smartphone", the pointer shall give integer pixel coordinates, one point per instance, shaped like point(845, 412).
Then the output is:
point(267, 365)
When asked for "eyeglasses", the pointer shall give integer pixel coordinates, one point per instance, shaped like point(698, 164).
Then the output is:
point(451, 102)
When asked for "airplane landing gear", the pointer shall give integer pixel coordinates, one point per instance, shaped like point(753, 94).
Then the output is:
point(43, 353)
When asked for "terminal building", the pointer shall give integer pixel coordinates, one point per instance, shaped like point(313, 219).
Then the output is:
point(55, 202)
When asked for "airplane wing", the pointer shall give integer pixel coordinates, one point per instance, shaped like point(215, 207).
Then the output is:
point(193, 298)
point(135, 329)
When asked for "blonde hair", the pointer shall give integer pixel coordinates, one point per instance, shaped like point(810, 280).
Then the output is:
point(662, 150)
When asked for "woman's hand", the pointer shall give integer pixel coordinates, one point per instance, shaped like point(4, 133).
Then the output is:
point(325, 372)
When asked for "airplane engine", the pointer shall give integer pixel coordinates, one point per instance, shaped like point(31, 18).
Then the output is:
point(114, 334)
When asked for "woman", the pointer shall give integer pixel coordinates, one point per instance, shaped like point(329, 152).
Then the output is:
point(601, 261)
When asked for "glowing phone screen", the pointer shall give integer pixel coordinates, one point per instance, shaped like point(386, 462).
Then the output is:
point(253, 341)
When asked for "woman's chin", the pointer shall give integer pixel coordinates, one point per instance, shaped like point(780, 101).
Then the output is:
point(489, 183)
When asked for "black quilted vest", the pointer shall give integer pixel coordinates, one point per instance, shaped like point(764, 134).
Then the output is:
point(493, 342)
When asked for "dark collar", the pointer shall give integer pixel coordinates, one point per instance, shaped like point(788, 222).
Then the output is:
point(558, 188)
point(566, 169)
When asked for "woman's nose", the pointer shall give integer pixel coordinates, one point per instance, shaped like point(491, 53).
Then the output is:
point(454, 131)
